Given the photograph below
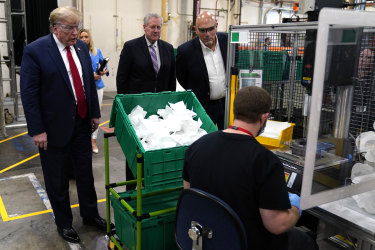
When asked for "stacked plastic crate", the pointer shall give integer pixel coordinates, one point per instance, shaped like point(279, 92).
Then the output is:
point(145, 217)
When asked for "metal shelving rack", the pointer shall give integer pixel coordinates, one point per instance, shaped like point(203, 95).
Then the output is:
point(8, 59)
point(137, 212)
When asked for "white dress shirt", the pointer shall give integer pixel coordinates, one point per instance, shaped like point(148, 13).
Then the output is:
point(64, 56)
point(216, 70)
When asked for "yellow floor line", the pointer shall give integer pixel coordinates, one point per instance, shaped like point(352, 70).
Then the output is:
point(31, 214)
point(32, 157)
point(10, 138)
point(19, 163)
point(3, 212)
point(24, 133)
point(103, 123)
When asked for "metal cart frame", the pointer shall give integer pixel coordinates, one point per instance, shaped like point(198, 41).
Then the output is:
point(137, 212)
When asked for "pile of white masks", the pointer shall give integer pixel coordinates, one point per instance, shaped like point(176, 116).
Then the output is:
point(171, 127)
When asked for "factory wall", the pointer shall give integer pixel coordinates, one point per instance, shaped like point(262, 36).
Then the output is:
point(112, 23)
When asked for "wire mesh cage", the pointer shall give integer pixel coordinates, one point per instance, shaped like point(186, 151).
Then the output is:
point(278, 52)
point(282, 52)
point(323, 81)
point(363, 108)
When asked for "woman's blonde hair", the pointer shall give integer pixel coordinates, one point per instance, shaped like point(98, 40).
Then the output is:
point(91, 42)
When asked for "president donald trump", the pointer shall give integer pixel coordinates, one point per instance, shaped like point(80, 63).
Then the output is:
point(61, 107)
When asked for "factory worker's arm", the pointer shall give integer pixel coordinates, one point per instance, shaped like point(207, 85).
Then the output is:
point(280, 221)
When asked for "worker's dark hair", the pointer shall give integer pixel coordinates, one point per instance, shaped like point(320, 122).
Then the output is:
point(250, 103)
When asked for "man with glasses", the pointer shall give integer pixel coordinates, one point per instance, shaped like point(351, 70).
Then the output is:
point(60, 102)
point(200, 66)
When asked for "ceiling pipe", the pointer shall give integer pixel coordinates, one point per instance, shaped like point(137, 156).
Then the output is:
point(165, 16)
point(264, 19)
point(196, 9)
point(261, 10)
point(196, 12)
point(361, 4)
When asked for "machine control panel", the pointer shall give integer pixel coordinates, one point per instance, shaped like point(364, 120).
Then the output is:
point(293, 176)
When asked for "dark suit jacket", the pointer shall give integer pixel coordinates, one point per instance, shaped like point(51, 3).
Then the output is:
point(191, 68)
point(47, 94)
point(135, 73)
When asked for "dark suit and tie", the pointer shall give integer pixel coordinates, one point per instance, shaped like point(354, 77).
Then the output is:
point(136, 74)
point(146, 64)
point(61, 107)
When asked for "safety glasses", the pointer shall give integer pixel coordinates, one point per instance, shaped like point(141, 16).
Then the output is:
point(205, 30)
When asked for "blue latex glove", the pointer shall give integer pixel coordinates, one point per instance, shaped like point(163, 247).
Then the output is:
point(294, 201)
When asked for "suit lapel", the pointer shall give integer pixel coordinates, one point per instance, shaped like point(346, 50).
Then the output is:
point(146, 52)
point(86, 65)
point(79, 52)
point(162, 54)
point(56, 58)
point(223, 47)
point(200, 58)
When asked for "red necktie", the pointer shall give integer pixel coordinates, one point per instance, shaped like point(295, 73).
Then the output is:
point(81, 101)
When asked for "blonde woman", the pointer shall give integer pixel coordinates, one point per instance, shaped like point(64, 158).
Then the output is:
point(96, 58)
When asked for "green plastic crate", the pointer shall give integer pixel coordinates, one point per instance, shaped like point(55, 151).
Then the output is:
point(287, 69)
point(299, 69)
point(274, 64)
point(157, 231)
point(162, 168)
point(247, 58)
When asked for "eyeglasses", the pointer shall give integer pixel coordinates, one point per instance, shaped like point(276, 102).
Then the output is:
point(154, 27)
point(69, 28)
point(205, 30)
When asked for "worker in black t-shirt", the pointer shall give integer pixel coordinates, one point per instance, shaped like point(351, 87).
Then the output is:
point(232, 165)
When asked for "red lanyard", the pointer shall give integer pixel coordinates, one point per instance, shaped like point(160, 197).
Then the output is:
point(241, 129)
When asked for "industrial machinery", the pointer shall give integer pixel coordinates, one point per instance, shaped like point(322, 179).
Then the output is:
point(287, 69)
point(320, 78)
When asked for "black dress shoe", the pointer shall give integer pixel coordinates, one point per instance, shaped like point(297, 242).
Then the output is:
point(97, 222)
point(69, 234)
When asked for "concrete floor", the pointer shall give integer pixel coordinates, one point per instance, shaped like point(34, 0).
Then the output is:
point(24, 223)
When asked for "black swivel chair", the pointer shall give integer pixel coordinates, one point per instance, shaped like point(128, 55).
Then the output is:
point(204, 221)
